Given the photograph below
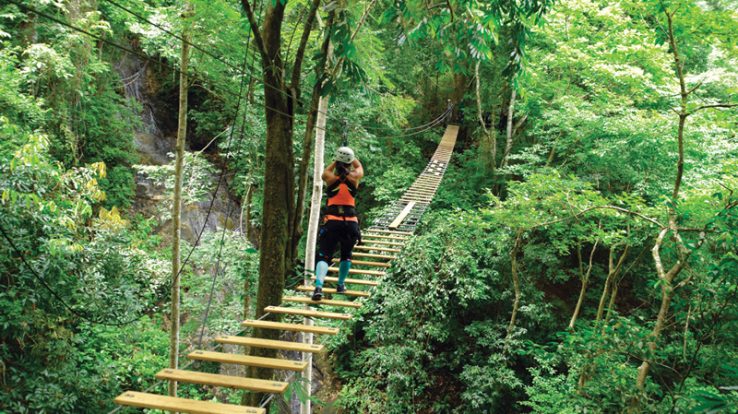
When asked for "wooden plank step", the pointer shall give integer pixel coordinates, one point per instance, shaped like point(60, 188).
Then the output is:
point(359, 271)
point(378, 249)
point(229, 358)
point(328, 302)
point(182, 405)
point(253, 361)
point(357, 293)
point(307, 313)
point(391, 231)
point(269, 343)
point(292, 327)
point(350, 281)
point(400, 217)
point(381, 243)
point(217, 380)
point(365, 263)
point(384, 236)
point(374, 256)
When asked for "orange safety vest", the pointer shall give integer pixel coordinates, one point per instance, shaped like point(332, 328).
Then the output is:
point(341, 201)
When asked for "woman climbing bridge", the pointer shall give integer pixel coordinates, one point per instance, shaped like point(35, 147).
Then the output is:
point(340, 223)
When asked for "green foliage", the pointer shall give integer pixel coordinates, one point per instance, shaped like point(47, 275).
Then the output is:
point(50, 213)
point(590, 175)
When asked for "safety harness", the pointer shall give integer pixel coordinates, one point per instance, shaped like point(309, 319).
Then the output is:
point(341, 198)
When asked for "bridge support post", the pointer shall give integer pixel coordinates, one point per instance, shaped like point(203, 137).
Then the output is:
point(312, 235)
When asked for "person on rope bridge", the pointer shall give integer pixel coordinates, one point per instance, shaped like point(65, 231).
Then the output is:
point(340, 224)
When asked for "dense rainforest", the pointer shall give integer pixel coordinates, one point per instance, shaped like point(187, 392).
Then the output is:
point(580, 256)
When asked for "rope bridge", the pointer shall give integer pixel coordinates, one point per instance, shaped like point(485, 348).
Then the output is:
point(382, 242)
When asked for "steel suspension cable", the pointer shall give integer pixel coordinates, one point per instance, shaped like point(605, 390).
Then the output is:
point(409, 129)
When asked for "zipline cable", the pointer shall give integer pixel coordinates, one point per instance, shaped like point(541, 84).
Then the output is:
point(429, 126)
point(443, 114)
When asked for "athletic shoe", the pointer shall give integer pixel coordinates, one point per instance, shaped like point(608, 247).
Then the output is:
point(341, 288)
point(317, 294)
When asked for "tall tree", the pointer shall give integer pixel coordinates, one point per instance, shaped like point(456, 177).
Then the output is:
point(177, 205)
point(280, 100)
point(681, 43)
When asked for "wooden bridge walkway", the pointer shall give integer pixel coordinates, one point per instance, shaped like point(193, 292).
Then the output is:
point(381, 243)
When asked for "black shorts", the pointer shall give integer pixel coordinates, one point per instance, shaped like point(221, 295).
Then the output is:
point(334, 232)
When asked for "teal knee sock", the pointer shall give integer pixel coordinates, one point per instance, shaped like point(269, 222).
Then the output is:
point(343, 270)
point(321, 269)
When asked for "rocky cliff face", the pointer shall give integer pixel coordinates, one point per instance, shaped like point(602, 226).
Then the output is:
point(155, 139)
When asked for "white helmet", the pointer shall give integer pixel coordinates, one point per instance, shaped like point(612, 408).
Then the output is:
point(345, 155)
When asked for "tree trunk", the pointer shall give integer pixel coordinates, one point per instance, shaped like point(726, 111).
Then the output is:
point(667, 292)
point(578, 307)
point(516, 281)
point(488, 142)
point(457, 96)
point(274, 253)
point(612, 272)
point(177, 207)
point(584, 276)
point(247, 214)
point(314, 112)
point(613, 299)
point(313, 224)
point(509, 136)
point(666, 278)
point(302, 175)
